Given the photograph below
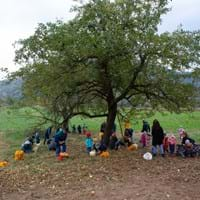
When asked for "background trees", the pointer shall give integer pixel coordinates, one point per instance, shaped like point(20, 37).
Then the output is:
point(111, 52)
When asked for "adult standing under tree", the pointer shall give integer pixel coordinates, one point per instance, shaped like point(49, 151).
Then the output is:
point(79, 129)
point(47, 134)
point(145, 127)
point(157, 137)
point(103, 127)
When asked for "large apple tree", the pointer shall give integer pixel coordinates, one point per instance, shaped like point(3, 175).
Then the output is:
point(112, 52)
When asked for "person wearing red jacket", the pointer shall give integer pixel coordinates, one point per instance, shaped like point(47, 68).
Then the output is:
point(166, 143)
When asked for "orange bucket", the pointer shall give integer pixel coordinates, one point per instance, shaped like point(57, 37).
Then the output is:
point(60, 157)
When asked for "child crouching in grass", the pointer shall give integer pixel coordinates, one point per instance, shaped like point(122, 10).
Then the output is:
point(115, 142)
point(172, 143)
point(188, 144)
point(128, 137)
point(188, 148)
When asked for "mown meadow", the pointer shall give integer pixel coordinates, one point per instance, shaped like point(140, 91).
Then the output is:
point(17, 123)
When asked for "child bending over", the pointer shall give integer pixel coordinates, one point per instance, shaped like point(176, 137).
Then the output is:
point(115, 142)
point(188, 145)
point(172, 143)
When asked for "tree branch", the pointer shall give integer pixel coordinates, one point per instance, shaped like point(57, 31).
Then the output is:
point(135, 75)
point(89, 115)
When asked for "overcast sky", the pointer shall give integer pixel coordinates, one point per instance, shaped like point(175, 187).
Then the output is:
point(19, 18)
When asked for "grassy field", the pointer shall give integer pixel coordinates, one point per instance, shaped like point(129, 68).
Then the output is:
point(16, 124)
point(125, 173)
point(170, 122)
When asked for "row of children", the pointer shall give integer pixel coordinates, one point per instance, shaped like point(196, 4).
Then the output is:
point(168, 142)
point(114, 142)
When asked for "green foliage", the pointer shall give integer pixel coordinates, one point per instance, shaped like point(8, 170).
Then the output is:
point(110, 53)
point(116, 46)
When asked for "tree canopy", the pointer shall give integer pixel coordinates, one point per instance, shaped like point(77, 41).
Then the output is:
point(111, 52)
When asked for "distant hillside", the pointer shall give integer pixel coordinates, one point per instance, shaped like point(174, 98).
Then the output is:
point(11, 89)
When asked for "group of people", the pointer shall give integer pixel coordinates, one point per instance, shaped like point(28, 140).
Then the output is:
point(114, 141)
point(161, 142)
point(165, 143)
point(27, 145)
point(56, 142)
point(79, 129)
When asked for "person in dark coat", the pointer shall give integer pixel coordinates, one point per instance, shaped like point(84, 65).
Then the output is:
point(51, 144)
point(145, 127)
point(79, 129)
point(27, 146)
point(37, 138)
point(74, 128)
point(115, 142)
point(47, 134)
point(103, 127)
point(157, 138)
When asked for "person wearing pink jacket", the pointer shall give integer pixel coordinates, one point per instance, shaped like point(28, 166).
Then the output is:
point(143, 139)
point(172, 143)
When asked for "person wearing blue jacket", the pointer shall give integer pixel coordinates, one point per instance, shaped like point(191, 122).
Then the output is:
point(60, 140)
point(88, 142)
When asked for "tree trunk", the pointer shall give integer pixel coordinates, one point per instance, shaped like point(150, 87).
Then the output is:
point(65, 124)
point(112, 105)
point(112, 112)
